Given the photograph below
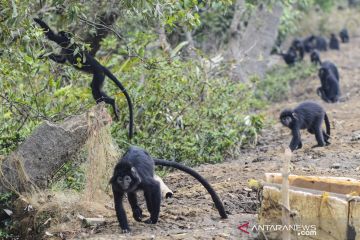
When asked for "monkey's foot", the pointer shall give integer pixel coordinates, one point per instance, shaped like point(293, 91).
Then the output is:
point(137, 214)
point(125, 230)
point(318, 145)
point(149, 221)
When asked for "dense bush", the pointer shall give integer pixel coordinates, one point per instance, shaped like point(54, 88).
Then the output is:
point(276, 85)
point(184, 115)
point(180, 112)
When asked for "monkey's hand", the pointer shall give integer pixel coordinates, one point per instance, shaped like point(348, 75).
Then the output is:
point(42, 24)
point(137, 214)
point(48, 32)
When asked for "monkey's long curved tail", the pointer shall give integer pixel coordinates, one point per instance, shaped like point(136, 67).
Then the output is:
point(327, 124)
point(128, 99)
point(211, 191)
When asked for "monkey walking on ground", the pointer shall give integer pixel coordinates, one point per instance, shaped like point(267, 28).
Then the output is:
point(344, 35)
point(135, 171)
point(334, 42)
point(308, 115)
point(290, 57)
point(308, 43)
point(330, 88)
point(315, 58)
point(320, 43)
point(85, 62)
point(299, 47)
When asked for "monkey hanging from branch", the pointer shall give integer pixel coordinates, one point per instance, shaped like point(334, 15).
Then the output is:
point(85, 62)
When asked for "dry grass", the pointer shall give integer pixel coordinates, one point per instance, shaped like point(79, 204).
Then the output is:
point(57, 212)
point(325, 23)
point(15, 165)
point(102, 157)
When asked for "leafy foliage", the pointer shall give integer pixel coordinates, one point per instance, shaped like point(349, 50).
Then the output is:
point(183, 115)
point(184, 110)
point(276, 85)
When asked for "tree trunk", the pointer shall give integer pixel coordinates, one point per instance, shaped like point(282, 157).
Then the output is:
point(235, 27)
point(250, 48)
point(45, 151)
point(191, 45)
point(164, 44)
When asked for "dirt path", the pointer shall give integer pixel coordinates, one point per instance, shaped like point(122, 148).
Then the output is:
point(190, 215)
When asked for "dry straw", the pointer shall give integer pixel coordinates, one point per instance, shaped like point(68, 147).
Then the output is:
point(55, 211)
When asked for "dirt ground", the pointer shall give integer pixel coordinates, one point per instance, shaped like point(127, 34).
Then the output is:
point(190, 213)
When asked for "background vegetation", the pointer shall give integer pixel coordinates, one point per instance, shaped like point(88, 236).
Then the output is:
point(187, 106)
point(172, 92)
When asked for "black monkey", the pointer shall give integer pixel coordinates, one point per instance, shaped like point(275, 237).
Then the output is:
point(307, 115)
point(299, 46)
point(344, 35)
point(315, 58)
point(334, 42)
point(332, 67)
point(135, 171)
point(308, 43)
point(320, 43)
point(85, 62)
point(290, 57)
point(330, 89)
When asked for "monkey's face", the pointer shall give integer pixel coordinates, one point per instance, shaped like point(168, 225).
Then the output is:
point(286, 121)
point(287, 117)
point(127, 181)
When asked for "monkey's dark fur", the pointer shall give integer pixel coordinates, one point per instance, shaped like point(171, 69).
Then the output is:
point(334, 42)
point(308, 43)
point(332, 67)
point(315, 58)
point(135, 171)
point(314, 42)
point(330, 89)
point(299, 47)
point(344, 36)
point(85, 62)
point(308, 115)
point(290, 57)
point(320, 43)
